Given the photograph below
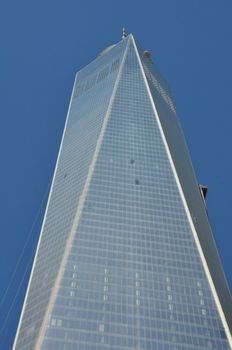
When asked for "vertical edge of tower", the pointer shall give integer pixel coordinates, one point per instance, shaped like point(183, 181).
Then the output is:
point(80, 205)
point(194, 206)
point(44, 219)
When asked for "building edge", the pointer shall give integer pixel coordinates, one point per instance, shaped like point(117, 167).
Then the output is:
point(44, 220)
point(80, 205)
point(199, 222)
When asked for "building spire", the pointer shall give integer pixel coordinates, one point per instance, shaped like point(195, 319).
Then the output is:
point(123, 33)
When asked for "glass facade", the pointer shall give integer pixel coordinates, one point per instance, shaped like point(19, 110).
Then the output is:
point(117, 265)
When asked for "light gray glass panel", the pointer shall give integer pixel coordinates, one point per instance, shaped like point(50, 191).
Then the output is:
point(185, 171)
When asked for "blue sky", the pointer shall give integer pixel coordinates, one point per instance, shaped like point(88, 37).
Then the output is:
point(43, 44)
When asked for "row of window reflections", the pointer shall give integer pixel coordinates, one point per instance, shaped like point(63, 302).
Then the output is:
point(97, 78)
point(101, 325)
point(74, 287)
point(142, 334)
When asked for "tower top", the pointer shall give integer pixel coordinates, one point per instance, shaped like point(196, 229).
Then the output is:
point(123, 33)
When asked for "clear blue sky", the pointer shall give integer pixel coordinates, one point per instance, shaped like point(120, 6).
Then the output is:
point(43, 44)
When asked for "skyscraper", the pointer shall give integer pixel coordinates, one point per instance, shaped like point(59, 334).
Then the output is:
point(126, 258)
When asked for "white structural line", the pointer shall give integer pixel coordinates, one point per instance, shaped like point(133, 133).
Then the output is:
point(80, 205)
point(45, 216)
point(204, 262)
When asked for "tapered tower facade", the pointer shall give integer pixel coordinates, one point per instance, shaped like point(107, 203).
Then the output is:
point(126, 258)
